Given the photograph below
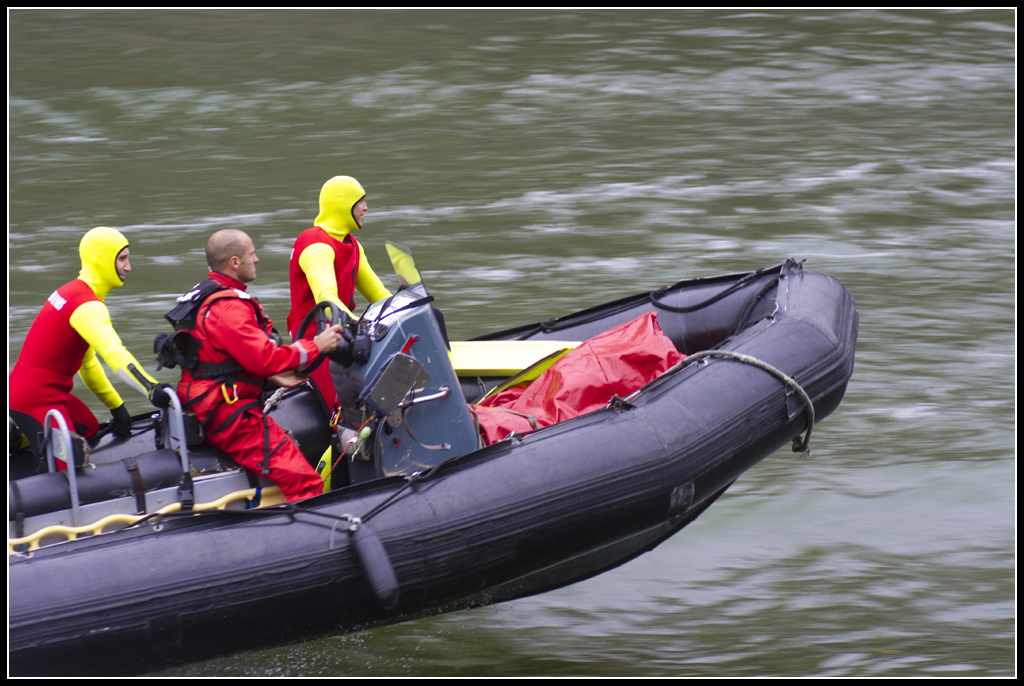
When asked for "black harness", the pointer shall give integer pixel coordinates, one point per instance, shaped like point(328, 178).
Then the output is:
point(182, 348)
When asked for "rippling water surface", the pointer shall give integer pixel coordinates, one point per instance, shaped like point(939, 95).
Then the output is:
point(541, 162)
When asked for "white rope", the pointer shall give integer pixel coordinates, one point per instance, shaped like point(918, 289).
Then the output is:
point(798, 445)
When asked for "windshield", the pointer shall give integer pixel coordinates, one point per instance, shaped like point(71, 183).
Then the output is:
point(403, 263)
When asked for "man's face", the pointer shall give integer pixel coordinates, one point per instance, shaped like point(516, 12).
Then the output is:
point(247, 263)
point(121, 264)
point(358, 210)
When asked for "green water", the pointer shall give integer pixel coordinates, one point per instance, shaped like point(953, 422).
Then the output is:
point(541, 162)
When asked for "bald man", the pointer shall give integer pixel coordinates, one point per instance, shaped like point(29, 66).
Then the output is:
point(237, 357)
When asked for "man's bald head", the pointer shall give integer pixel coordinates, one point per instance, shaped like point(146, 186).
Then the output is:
point(225, 244)
point(231, 252)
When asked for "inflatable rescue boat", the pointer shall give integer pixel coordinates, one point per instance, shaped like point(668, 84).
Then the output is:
point(157, 550)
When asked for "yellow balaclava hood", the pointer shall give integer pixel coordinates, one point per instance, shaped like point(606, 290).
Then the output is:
point(99, 250)
point(337, 198)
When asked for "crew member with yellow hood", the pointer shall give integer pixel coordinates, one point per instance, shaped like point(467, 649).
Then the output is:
point(73, 326)
point(327, 263)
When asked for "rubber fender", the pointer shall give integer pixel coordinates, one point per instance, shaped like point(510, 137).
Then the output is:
point(376, 565)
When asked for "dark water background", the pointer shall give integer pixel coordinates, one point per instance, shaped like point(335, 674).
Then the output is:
point(538, 162)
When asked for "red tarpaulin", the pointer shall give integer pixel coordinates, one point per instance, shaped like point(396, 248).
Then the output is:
point(616, 362)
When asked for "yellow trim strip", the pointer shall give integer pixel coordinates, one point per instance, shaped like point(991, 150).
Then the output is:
point(271, 495)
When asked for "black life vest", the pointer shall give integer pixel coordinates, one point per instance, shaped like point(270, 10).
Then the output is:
point(181, 347)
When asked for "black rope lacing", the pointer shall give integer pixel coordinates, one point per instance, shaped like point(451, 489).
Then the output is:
point(561, 323)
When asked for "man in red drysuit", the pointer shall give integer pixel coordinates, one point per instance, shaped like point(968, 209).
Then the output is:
point(236, 357)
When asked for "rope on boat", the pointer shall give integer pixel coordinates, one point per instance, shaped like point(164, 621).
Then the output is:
point(410, 481)
point(274, 400)
point(559, 323)
point(272, 496)
point(654, 295)
point(799, 446)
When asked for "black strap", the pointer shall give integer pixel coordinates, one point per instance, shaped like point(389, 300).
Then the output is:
point(213, 370)
point(138, 486)
point(186, 492)
point(408, 306)
point(182, 347)
point(19, 509)
point(270, 453)
point(230, 418)
point(593, 314)
point(740, 283)
point(184, 313)
point(265, 467)
point(254, 481)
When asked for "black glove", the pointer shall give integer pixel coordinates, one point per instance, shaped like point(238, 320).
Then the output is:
point(121, 421)
point(158, 395)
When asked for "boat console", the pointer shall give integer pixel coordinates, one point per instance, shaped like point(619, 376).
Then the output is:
point(408, 393)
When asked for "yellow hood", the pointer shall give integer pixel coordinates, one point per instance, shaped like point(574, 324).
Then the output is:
point(337, 198)
point(99, 250)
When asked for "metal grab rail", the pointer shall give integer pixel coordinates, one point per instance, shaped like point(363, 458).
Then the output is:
point(59, 446)
point(67, 455)
point(174, 422)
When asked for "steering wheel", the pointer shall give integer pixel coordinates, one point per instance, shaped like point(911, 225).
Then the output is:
point(327, 314)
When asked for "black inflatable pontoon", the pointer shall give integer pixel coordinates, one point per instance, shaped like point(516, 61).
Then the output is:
point(424, 528)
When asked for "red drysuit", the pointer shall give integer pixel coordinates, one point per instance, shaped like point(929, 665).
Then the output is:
point(232, 328)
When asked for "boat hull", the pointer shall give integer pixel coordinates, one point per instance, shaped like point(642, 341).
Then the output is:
point(519, 517)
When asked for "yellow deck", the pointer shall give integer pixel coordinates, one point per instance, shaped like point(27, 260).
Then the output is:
point(501, 358)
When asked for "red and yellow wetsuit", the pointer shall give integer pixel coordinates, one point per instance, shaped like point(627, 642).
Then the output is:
point(73, 326)
point(328, 264)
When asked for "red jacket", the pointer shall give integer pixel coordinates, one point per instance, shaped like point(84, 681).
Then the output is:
point(232, 326)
